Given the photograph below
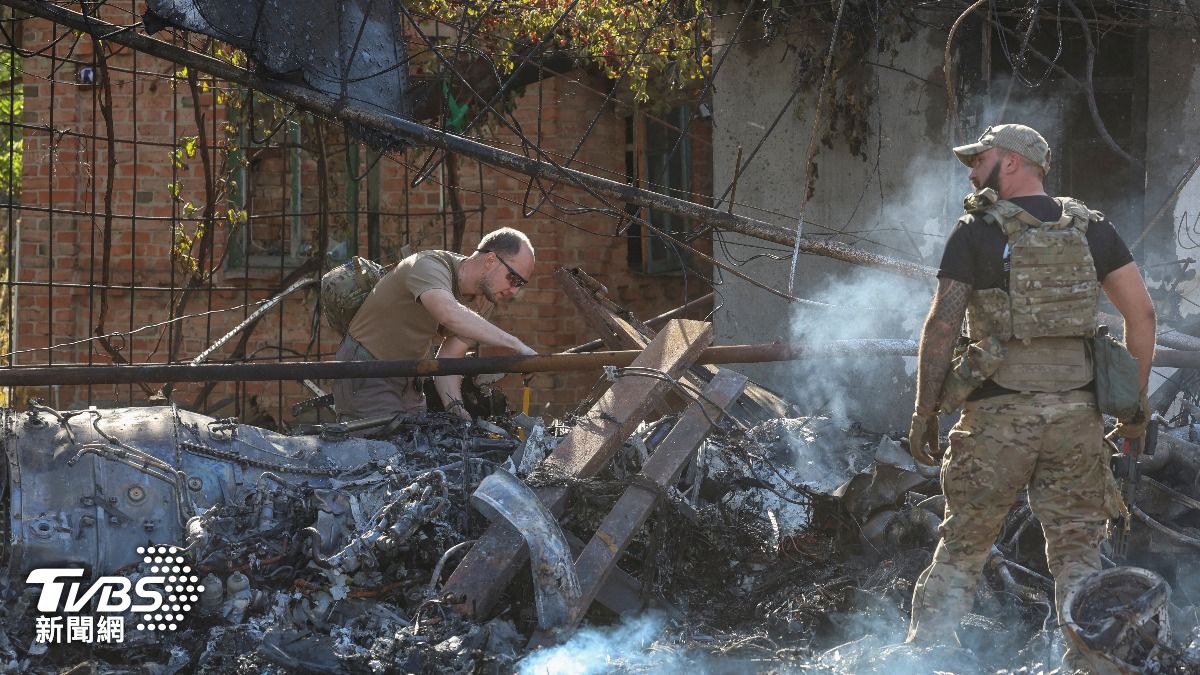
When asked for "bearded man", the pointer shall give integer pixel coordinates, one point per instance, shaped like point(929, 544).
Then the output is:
point(424, 302)
point(1027, 271)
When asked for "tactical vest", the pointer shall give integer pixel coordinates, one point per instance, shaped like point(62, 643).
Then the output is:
point(1052, 297)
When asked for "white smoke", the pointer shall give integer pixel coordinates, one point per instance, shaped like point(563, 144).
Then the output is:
point(595, 650)
point(1014, 102)
point(869, 304)
point(917, 211)
point(874, 390)
point(928, 205)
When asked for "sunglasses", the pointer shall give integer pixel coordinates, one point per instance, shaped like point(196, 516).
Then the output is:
point(514, 278)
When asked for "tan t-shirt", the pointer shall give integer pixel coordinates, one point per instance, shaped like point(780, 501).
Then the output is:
point(391, 324)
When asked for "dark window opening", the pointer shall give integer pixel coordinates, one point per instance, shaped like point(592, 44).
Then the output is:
point(657, 159)
point(266, 173)
point(1083, 164)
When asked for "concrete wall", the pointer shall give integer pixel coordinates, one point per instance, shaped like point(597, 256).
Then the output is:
point(900, 201)
point(903, 199)
point(1172, 147)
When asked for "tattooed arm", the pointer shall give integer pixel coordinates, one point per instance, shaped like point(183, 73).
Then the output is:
point(941, 331)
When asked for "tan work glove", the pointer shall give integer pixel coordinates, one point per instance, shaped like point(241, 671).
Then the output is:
point(1136, 427)
point(923, 432)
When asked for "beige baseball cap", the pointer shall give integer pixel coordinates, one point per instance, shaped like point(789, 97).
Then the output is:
point(1023, 140)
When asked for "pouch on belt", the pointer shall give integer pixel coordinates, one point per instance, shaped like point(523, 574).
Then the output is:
point(1118, 377)
point(973, 363)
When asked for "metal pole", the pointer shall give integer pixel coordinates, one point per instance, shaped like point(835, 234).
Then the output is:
point(1166, 337)
point(761, 353)
point(241, 372)
point(379, 120)
point(1176, 358)
point(268, 304)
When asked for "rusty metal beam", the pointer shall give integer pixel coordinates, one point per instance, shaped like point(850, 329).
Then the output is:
point(619, 329)
point(599, 558)
point(32, 376)
point(598, 435)
point(1167, 336)
point(373, 118)
point(1174, 358)
point(248, 372)
point(612, 323)
point(656, 322)
point(621, 592)
point(487, 569)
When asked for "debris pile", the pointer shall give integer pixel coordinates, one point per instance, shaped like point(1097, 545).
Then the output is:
point(683, 519)
point(751, 559)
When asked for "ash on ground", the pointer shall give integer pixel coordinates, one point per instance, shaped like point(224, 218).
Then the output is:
point(791, 546)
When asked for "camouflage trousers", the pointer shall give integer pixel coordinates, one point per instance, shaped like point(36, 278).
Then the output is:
point(1050, 444)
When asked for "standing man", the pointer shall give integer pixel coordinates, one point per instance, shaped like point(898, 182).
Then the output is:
point(423, 302)
point(1026, 270)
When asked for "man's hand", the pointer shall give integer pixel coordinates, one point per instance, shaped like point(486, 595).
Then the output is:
point(923, 432)
point(456, 407)
point(525, 350)
point(1136, 427)
point(488, 379)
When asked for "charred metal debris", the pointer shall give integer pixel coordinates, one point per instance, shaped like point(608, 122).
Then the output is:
point(683, 518)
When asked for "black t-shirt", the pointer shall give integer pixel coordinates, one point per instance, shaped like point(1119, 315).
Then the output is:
point(974, 251)
point(975, 255)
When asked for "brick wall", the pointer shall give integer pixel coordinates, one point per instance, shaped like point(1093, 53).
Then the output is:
point(60, 259)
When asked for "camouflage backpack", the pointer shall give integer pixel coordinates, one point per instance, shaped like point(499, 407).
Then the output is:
point(345, 288)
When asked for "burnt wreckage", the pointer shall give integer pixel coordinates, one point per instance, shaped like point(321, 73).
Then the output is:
point(683, 517)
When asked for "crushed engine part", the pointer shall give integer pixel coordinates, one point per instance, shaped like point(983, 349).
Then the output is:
point(90, 486)
point(326, 552)
point(1118, 619)
point(556, 586)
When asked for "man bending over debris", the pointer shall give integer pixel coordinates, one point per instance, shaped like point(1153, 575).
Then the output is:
point(1026, 270)
point(422, 299)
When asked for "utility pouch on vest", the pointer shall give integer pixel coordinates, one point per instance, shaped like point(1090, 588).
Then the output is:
point(1045, 364)
point(973, 363)
point(345, 288)
point(1118, 378)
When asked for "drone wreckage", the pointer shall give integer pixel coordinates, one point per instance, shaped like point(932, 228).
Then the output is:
point(760, 540)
